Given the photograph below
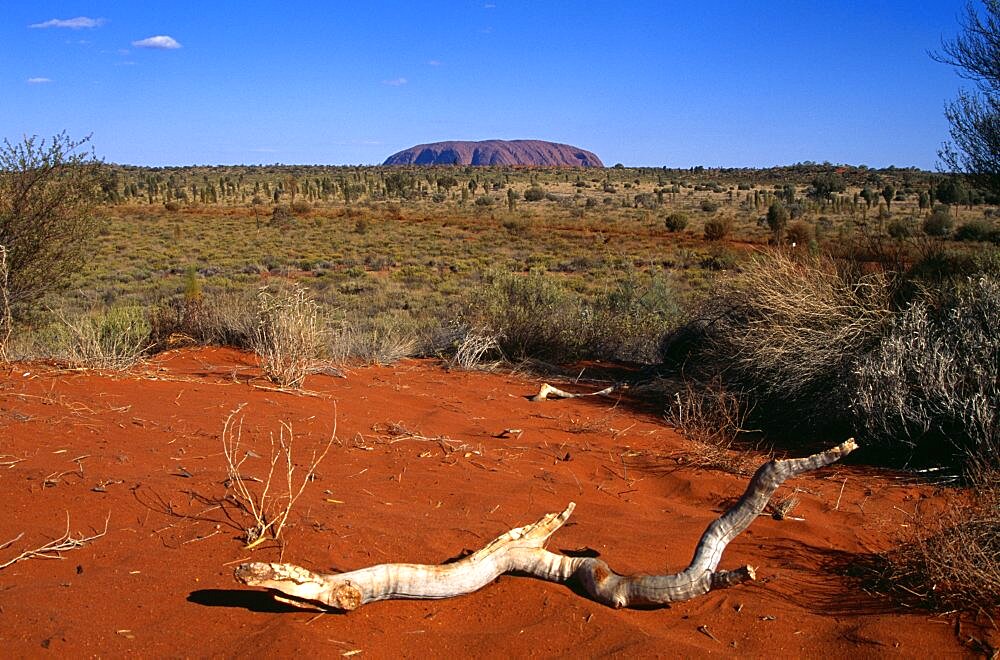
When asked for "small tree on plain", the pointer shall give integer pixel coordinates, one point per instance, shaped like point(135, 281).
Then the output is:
point(777, 219)
point(975, 115)
point(48, 189)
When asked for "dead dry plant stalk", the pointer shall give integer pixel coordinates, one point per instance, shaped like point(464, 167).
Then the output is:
point(474, 344)
point(7, 319)
point(269, 506)
point(52, 549)
point(712, 417)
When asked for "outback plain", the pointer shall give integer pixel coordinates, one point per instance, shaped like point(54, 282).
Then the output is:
point(335, 367)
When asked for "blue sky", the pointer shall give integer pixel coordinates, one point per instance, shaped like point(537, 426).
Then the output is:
point(708, 82)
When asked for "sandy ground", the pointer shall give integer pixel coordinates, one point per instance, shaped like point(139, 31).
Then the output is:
point(417, 473)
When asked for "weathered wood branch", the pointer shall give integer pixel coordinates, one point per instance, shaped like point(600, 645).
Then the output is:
point(546, 391)
point(521, 549)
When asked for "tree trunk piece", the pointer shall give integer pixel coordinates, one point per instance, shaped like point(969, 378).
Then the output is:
point(521, 549)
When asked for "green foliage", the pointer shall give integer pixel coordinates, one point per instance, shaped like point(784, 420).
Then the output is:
point(939, 222)
point(536, 316)
point(709, 205)
point(777, 218)
point(676, 221)
point(975, 115)
point(534, 194)
point(48, 190)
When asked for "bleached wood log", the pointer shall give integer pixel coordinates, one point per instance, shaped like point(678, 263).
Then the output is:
point(546, 391)
point(521, 549)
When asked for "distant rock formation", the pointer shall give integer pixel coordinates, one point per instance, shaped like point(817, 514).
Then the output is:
point(496, 152)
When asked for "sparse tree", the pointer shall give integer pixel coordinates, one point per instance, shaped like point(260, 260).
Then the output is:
point(47, 193)
point(777, 219)
point(975, 115)
point(888, 194)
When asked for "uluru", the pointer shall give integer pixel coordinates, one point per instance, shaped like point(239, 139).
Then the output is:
point(537, 153)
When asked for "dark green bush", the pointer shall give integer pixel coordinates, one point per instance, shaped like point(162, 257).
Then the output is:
point(534, 194)
point(676, 221)
point(939, 222)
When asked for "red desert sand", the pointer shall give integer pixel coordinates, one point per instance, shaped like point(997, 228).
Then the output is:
point(427, 466)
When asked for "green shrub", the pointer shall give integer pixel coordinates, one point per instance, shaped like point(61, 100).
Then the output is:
point(709, 205)
point(717, 229)
point(939, 222)
point(980, 230)
point(534, 194)
point(676, 221)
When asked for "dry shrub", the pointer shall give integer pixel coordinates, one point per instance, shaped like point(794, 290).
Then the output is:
point(472, 347)
point(933, 383)
point(228, 319)
point(290, 335)
point(270, 504)
point(953, 560)
point(374, 341)
point(785, 332)
point(713, 418)
point(114, 339)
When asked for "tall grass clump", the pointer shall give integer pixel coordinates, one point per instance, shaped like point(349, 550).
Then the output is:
point(117, 338)
point(290, 335)
point(784, 332)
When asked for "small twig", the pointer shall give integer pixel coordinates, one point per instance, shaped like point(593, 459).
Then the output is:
point(837, 505)
point(62, 544)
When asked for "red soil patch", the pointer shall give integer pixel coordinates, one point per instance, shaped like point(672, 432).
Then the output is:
point(145, 449)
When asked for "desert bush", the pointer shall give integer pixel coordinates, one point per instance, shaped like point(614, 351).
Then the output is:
point(777, 218)
point(709, 205)
point(536, 317)
point(784, 332)
point(534, 194)
point(227, 318)
point(172, 206)
point(282, 216)
point(385, 339)
point(47, 194)
point(933, 382)
point(476, 348)
point(301, 207)
point(800, 233)
point(290, 335)
point(900, 228)
point(717, 229)
point(117, 338)
point(676, 221)
point(980, 230)
point(939, 222)
point(952, 559)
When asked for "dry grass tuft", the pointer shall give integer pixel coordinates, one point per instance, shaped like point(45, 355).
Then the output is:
point(290, 335)
point(712, 417)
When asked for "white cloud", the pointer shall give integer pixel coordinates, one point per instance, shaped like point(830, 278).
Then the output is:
point(435, 62)
point(395, 82)
point(39, 81)
point(160, 41)
point(489, 5)
point(78, 23)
